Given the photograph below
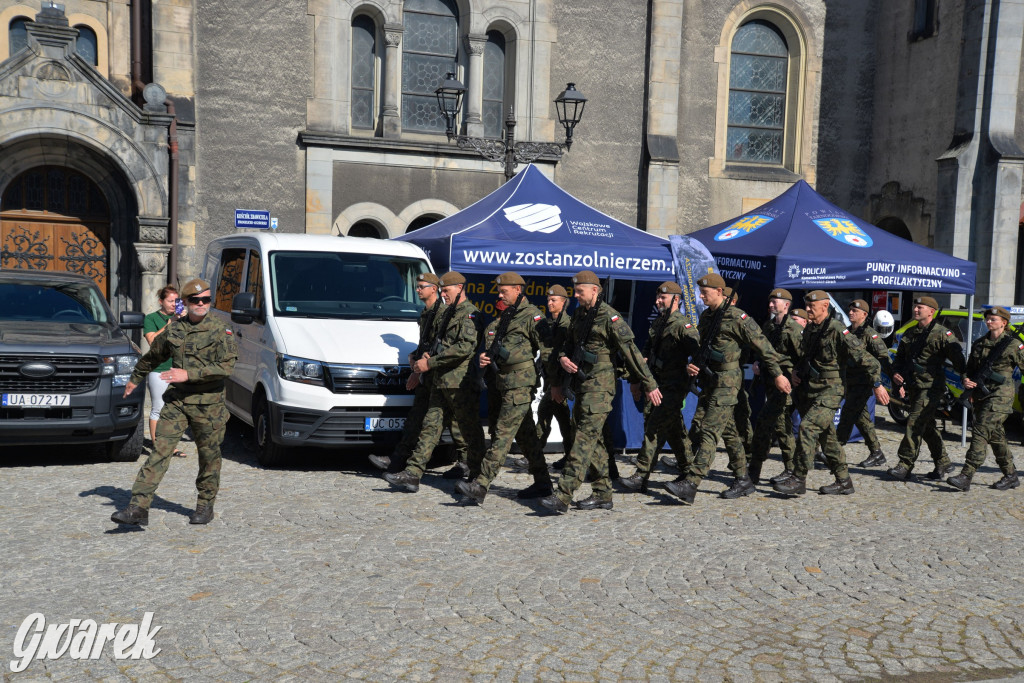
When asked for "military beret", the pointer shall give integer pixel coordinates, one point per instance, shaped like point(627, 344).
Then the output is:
point(510, 278)
point(713, 280)
point(429, 277)
point(799, 313)
point(815, 295)
point(452, 277)
point(781, 294)
point(927, 301)
point(669, 287)
point(1000, 311)
point(558, 290)
point(860, 305)
point(194, 286)
point(586, 277)
point(728, 292)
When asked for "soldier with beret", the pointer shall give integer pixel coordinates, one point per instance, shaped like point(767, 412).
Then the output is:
point(919, 375)
point(989, 378)
point(596, 333)
point(452, 389)
point(203, 353)
point(511, 342)
point(720, 382)
point(553, 330)
point(826, 347)
point(800, 316)
point(671, 342)
point(859, 386)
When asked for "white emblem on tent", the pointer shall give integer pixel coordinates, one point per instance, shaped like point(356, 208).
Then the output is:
point(793, 272)
point(535, 217)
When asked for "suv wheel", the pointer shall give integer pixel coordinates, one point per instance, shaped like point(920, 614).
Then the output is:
point(268, 453)
point(128, 450)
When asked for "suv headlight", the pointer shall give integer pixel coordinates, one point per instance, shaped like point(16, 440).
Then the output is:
point(300, 370)
point(120, 367)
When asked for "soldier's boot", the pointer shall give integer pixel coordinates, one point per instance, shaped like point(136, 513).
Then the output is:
point(517, 462)
point(841, 487)
point(132, 515)
point(961, 481)
point(459, 470)
point(941, 470)
point(538, 489)
point(560, 463)
point(742, 486)
point(683, 489)
point(874, 459)
point(638, 482)
point(1009, 481)
point(819, 460)
point(781, 477)
point(900, 473)
point(381, 462)
point(670, 462)
point(794, 486)
point(554, 504)
point(593, 503)
point(403, 480)
point(202, 515)
point(474, 493)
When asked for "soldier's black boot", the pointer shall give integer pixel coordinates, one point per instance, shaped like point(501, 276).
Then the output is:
point(670, 462)
point(961, 481)
point(538, 489)
point(554, 504)
point(560, 463)
point(474, 492)
point(593, 503)
point(819, 460)
point(783, 476)
point(403, 480)
point(900, 473)
point(683, 489)
point(874, 459)
point(841, 487)
point(458, 471)
point(794, 486)
point(381, 462)
point(132, 515)
point(941, 470)
point(202, 515)
point(1009, 481)
point(742, 486)
point(638, 482)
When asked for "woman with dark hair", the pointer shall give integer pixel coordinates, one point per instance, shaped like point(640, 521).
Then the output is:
point(153, 326)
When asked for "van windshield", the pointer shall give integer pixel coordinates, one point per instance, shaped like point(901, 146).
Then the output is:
point(310, 284)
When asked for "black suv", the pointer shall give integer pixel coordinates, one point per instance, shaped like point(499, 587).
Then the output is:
point(64, 362)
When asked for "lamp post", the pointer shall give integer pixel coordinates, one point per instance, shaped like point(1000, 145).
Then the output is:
point(569, 107)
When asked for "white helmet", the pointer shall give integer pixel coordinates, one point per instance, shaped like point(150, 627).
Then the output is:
point(884, 323)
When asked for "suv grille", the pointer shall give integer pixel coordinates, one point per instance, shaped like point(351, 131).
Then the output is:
point(368, 379)
point(74, 375)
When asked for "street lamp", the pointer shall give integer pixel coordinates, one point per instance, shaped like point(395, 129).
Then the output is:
point(569, 107)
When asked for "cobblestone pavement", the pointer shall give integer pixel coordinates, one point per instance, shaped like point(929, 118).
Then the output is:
point(321, 572)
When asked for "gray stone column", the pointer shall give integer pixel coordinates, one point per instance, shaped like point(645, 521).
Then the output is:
point(153, 261)
point(391, 113)
point(474, 101)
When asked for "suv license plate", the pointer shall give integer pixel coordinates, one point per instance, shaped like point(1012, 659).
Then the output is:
point(385, 424)
point(36, 400)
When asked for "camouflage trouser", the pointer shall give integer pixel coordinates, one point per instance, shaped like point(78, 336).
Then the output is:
point(463, 407)
point(775, 421)
point(413, 426)
point(549, 409)
point(731, 433)
point(818, 427)
point(515, 420)
point(716, 414)
point(664, 423)
point(743, 429)
point(855, 412)
point(921, 427)
point(988, 430)
point(208, 423)
point(589, 449)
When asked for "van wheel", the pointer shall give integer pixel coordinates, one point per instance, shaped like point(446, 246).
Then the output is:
point(128, 450)
point(268, 453)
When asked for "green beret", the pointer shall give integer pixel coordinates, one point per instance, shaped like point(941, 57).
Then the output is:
point(194, 286)
point(815, 295)
point(558, 290)
point(1000, 311)
point(781, 294)
point(927, 301)
point(669, 287)
point(713, 280)
point(799, 313)
point(510, 278)
point(860, 305)
point(429, 278)
point(586, 277)
point(452, 277)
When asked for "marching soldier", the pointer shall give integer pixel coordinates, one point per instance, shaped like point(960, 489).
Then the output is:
point(597, 331)
point(511, 342)
point(826, 347)
point(775, 421)
point(990, 381)
point(859, 386)
point(918, 375)
point(553, 330)
point(724, 332)
point(671, 342)
point(452, 389)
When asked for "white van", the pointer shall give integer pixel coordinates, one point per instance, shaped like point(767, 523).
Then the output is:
point(324, 326)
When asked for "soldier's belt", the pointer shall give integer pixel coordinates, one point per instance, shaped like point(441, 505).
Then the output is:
point(508, 369)
point(200, 387)
point(828, 374)
point(719, 367)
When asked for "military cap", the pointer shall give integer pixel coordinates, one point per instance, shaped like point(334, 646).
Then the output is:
point(860, 305)
point(452, 277)
point(781, 294)
point(510, 278)
point(586, 277)
point(927, 301)
point(669, 287)
point(429, 277)
point(713, 280)
point(815, 295)
point(194, 286)
point(799, 313)
point(1000, 311)
point(558, 290)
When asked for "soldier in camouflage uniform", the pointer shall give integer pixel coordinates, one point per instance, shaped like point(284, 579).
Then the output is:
point(775, 421)
point(511, 342)
point(596, 333)
point(858, 386)
point(826, 347)
point(921, 378)
point(719, 395)
point(671, 342)
point(992, 409)
point(553, 330)
point(203, 353)
point(453, 389)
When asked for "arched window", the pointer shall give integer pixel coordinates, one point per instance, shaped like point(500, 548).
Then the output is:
point(86, 45)
point(17, 34)
point(364, 229)
point(757, 94)
point(364, 72)
point(421, 222)
point(494, 85)
point(429, 50)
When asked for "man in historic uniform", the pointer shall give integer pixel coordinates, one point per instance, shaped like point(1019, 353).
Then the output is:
point(989, 379)
point(670, 343)
point(452, 389)
point(596, 333)
point(919, 376)
point(203, 353)
point(510, 344)
point(859, 386)
point(826, 347)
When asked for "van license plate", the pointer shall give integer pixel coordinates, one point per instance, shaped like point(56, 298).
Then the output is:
point(36, 400)
point(385, 424)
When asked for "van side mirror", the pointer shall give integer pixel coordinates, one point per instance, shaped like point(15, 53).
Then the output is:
point(131, 320)
point(243, 308)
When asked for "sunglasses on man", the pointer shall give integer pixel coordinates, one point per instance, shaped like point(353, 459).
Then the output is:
point(200, 299)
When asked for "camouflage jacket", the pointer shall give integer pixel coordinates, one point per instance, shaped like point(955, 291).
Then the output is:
point(1000, 382)
point(458, 347)
point(926, 371)
point(668, 349)
point(519, 347)
point(553, 332)
point(737, 332)
point(874, 345)
point(837, 349)
point(785, 339)
point(609, 335)
point(429, 323)
point(206, 350)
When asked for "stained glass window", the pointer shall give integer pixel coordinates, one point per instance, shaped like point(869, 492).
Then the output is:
point(86, 45)
point(429, 51)
point(494, 85)
point(757, 94)
point(17, 34)
point(364, 71)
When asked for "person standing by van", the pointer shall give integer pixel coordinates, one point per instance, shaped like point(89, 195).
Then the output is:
point(155, 324)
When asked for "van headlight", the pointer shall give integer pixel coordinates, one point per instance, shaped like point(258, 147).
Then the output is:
point(300, 370)
point(120, 367)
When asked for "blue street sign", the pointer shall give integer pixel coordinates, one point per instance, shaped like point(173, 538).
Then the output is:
point(247, 218)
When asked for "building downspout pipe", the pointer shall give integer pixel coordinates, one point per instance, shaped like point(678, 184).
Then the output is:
point(172, 195)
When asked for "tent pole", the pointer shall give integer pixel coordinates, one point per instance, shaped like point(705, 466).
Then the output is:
point(970, 338)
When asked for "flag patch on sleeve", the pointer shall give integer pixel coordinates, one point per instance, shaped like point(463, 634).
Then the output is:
point(614, 318)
